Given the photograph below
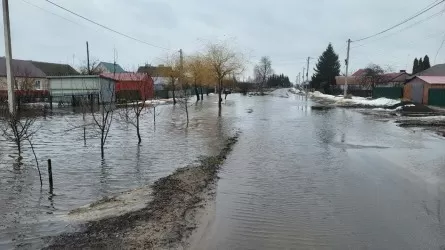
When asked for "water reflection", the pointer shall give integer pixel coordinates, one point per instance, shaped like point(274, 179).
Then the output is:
point(81, 177)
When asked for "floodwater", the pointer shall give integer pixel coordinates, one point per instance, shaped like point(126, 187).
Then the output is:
point(28, 214)
point(337, 179)
point(297, 179)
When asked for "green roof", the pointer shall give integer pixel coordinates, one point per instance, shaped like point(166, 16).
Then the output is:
point(111, 67)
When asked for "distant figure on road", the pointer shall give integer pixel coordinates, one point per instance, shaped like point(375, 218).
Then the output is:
point(226, 92)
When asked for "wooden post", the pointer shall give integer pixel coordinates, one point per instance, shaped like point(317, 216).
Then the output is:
point(51, 102)
point(50, 176)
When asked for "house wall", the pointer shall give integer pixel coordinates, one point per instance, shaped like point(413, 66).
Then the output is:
point(21, 81)
point(107, 90)
point(62, 89)
point(415, 90)
point(145, 88)
point(426, 90)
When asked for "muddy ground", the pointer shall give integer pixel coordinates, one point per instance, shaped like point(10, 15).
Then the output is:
point(165, 223)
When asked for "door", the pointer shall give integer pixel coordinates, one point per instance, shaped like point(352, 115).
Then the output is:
point(417, 92)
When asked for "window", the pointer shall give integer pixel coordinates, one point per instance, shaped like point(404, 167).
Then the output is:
point(37, 84)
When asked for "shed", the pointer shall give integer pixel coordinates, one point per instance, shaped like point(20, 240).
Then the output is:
point(429, 90)
point(71, 89)
point(133, 85)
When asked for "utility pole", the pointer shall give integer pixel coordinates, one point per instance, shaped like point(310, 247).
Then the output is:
point(8, 55)
point(181, 66)
point(88, 60)
point(347, 68)
point(307, 71)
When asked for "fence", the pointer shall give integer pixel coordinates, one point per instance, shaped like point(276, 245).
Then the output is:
point(436, 97)
point(389, 92)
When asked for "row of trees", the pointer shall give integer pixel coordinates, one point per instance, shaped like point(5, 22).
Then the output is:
point(264, 76)
point(421, 64)
point(216, 66)
point(280, 81)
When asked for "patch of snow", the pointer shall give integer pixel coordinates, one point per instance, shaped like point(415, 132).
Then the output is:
point(380, 102)
point(280, 93)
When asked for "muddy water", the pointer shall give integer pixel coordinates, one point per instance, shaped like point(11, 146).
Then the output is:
point(80, 177)
point(302, 179)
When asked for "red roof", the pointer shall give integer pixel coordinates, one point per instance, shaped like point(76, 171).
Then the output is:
point(128, 76)
point(359, 72)
point(433, 79)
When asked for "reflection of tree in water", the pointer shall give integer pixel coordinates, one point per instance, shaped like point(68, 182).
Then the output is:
point(104, 178)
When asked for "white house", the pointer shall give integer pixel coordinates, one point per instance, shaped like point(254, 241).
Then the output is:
point(71, 89)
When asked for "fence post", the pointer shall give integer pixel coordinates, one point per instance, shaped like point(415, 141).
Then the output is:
point(50, 176)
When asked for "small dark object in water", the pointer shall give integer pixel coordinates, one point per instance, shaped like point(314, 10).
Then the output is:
point(321, 107)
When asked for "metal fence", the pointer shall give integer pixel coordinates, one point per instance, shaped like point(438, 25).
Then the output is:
point(436, 97)
point(388, 92)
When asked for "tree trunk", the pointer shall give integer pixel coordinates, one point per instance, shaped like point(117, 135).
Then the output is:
point(19, 148)
point(174, 98)
point(197, 93)
point(137, 130)
point(187, 112)
point(202, 94)
point(102, 143)
point(220, 94)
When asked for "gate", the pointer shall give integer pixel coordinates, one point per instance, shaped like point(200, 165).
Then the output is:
point(417, 92)
point(436, 97)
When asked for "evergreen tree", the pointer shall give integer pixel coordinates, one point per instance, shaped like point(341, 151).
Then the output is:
point(415, 66)
point(327, 68)
point(426, 63)
point(420, 67)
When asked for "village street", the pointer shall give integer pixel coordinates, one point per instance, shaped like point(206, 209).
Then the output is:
point(327, 179)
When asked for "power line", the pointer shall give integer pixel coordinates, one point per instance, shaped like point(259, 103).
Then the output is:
point(397, 25)
point(441, 45)
point(106, 27)
point(38, 7)
point(408, 27)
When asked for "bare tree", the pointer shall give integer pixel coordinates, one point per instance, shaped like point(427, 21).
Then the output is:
point(135, 105)
point(223, 62)
point(262, 72)
point(92, 70)
point(197, 70)
point(184, 97)
point(19, 129)
point(373, 76)
point(171, 69)
point(103, 119)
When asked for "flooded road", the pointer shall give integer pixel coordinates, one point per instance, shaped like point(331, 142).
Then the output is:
point(302, 179)
point(81, 177)
point(297, 179)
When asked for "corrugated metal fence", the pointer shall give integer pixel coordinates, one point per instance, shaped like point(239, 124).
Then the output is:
point(436, 97)
point(390, 92)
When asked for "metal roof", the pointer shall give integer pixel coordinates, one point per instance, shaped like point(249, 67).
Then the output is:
point(111, 67)
point(21, 68)
point(433, 79)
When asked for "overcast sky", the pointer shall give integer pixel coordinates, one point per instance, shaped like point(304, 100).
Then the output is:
point(286, 30)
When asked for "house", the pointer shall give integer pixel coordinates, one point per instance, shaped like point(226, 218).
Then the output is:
point(26, 75)
point(105, 67)
point(428, 90)
point(135, 86)
point(160, 75)
point(436, 70)
point(356, 80)
point(55, 69)
point(77, 88)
